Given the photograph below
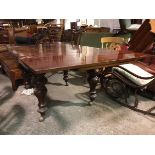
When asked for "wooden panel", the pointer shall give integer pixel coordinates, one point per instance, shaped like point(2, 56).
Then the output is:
point(143, 38)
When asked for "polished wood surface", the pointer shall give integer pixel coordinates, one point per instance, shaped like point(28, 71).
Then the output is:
point(143, 37)
point(38, 60)
point(60, 56)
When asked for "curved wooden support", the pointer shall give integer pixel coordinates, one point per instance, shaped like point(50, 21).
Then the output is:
point(40, 91)
point(92, 80)
point(65, 78)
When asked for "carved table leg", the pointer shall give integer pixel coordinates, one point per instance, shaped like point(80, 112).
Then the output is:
point(92, 80)
point(27, 79)
point(40, 91)
point(65, 78)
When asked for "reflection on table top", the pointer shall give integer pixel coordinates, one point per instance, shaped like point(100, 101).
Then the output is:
point(59, 56)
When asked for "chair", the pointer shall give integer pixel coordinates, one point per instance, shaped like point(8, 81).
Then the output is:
point(124, 80)
point(9, 63)
point(143, 41)
point(112, 42)
point(10, 66)
point(121, 80)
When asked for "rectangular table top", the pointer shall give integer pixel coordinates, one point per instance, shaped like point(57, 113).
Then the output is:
point(62, 56)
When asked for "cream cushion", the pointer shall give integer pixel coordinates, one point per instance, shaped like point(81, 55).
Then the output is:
point(136, 70)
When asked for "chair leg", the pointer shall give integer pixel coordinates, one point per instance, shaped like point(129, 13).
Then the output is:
point(14, 85)
point(136, 99)
point(13, 81)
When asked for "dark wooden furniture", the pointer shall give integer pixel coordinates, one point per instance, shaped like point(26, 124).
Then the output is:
point(55, 32)
point(7, 36)
point(118, 85)
point(143, 41)
point(9, 64)
point(38, 61)
point(97, 29)
point(13, 71)
point(67, 35)
point(142, 38)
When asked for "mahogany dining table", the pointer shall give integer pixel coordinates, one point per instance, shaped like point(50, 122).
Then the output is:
point(37, 60)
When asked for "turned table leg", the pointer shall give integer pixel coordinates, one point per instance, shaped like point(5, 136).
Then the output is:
point(65, 78)
point(40, 91)
point(92, 80)
point(27, 79)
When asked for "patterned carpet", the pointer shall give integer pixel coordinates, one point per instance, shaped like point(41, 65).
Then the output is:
point(68, 112)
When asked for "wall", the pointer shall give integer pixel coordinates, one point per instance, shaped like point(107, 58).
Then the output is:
point(111, 23)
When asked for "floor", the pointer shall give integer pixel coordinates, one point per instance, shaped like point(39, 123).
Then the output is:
point(68, 112)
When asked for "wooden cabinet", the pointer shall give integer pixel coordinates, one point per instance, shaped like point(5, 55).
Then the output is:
point(55, 31)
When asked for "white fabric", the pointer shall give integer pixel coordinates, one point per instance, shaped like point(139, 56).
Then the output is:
point(136, 70)
point(134, 27)
point(27, 91)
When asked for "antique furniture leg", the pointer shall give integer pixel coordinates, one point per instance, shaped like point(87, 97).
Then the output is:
point(14, 86)
point(14, 75)
point(65, 78)
point(92, 80)
point(27, 79)
point(40, 91)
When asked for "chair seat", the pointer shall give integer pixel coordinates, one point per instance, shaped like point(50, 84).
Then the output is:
point(135, 70)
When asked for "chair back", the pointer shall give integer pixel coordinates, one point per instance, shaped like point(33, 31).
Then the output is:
point(112, 42)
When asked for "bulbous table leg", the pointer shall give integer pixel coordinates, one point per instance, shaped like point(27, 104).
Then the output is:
point(40, 92)
point(92, 80)
point(27, 79)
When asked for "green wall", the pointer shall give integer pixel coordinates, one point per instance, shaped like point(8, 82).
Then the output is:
point(93, 39)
